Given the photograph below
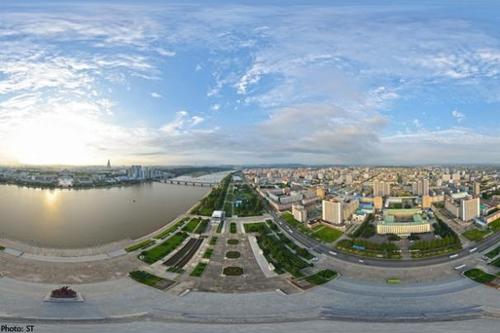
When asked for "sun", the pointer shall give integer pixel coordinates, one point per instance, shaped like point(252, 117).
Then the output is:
point(53, 138)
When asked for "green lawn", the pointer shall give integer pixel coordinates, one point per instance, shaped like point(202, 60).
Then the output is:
point(232, 271)
point(164, 234)
point(148, 279)
point(393, 281)
point(496, 263)
point(288, 217)
point(366, 248)
point(213, 240)
point(479, 276)
point(202, 226)
point(214, 200)
point(233, 254)
point(160, 251)
point(255, 227)
point(248, 201)
point(142, 245)
point(199, 269)
point(475, 234)
point(495, 225)
point(192, 225)
point(493, 253)
point(232, 228)
point(321, 277)
point(208, 253)
point(326, 234)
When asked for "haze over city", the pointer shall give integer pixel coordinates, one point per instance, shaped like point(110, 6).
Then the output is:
point(156, 83)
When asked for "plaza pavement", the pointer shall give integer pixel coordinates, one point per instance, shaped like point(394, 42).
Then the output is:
point(341, 299)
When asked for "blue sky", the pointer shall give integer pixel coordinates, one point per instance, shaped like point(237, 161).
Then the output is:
point(214, 82)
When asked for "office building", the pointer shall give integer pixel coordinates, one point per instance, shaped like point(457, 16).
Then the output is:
point(299, 213)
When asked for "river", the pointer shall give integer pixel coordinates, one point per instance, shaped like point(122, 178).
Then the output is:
point(63, 218)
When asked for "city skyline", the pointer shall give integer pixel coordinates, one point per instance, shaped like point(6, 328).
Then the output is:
point(157, 84)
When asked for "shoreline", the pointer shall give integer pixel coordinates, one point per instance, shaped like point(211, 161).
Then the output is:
point(76, 188)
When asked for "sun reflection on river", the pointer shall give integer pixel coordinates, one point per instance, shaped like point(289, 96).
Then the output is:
point(52, 200)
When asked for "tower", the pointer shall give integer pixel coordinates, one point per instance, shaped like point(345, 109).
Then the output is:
point(109, 164)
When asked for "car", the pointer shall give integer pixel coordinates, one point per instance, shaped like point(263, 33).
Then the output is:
point(474, 249)
point(453, 256)
point(459, 267)
point(315, 259)
point(332, 253)
point(361, 261)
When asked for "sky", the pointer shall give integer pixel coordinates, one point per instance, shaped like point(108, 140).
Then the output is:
point(228, 82)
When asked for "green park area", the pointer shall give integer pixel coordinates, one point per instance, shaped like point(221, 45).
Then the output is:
point(366, 248)
point(199, 269)
point(232, 271)
point(496, 263)
point(191, 225)
point(479, 275)
point(156, 253)
point(279, 254)
point(208, 253)
point(214, 200)
point(366, 229)
point(475, 234)
point(246, 201)
point(139, 246)
point(150, 279)
point(321, 232)
point(321, 277)
point(495, 225)
point(164, 234)
point(326, 234)
point(493, 253)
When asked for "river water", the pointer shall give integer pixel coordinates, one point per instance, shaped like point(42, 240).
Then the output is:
point(62, 218)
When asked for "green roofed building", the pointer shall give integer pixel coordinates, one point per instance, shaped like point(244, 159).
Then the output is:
point(403, 222)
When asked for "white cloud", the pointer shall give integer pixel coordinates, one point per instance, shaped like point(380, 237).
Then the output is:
point(459, 116)
point(156, 95)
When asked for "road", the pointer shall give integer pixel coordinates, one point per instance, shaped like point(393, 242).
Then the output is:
point(323, 249)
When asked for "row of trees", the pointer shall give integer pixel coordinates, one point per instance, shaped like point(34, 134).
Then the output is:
point(215, 200)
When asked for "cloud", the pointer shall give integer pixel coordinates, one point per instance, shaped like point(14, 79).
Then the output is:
point(323, 89)
point(459, 116)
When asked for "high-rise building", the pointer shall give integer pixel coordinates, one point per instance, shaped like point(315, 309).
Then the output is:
point(332, 211)
point(381, 188)
point(469, 209)
point(421, 187)
point(136, 172)
point(320, 192)
point(109, 164)
point(337, 211)
point(463, 206)
point(299, 213)
point(477, 189)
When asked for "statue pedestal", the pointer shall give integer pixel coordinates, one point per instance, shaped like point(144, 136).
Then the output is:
point(77, 299)
point(63, 295)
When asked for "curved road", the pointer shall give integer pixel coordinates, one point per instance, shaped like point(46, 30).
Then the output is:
point(323, 249)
